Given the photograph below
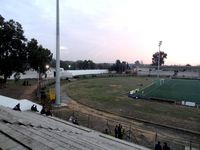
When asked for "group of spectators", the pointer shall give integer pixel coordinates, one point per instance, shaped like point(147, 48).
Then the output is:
point(119, 131)
point(34, 108)
point(26, 83)
point(159, 147)
point(44, 111)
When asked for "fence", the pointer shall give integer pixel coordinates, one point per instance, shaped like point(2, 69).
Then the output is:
point(131, 131)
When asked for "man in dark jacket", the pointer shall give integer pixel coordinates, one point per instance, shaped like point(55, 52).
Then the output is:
point(158, 146)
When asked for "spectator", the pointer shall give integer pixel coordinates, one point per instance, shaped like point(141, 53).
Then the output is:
point(158, 146)
point(17, 107)
point(75, 121)
point(43, 111)
point(165, 147)
point(116, 131)
point(120, 131)
point(71, 118)
point(34, 108)
point(48, 113)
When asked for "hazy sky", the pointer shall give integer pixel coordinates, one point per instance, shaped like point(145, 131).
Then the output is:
point(106, 30)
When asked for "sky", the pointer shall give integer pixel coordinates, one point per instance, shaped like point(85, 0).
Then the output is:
point(107, 30)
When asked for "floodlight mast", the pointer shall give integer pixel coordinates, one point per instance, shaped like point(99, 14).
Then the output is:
point(160, 43)
point(57, 55)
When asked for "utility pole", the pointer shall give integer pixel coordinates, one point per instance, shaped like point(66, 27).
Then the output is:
point(159, 45)
point(57, 55)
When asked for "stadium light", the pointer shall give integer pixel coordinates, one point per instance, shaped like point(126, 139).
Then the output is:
point(57, 55)
point(47, 67)
point(159, 45)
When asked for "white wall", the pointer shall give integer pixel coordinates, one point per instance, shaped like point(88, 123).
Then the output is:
point(87, 72)
point(31, 74)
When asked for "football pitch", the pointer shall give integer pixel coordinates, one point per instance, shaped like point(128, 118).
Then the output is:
point(173, 90)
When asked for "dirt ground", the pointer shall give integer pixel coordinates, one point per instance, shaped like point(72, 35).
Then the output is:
point(18, 90)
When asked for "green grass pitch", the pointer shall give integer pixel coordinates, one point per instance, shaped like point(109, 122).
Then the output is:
point(175, 90)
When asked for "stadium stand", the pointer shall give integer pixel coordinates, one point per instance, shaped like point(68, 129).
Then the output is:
point(30, 130)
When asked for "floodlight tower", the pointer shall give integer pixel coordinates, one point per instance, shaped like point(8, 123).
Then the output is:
point(159, 45)
point(57, 55)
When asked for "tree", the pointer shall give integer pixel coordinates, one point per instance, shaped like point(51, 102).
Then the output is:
point(38, 57)
point(103, 66)
point(156, 56)
point(137, 63)
point(13, 54)
point(119, 66)
point(91, 64)
point(188, 65)
point(86, 64)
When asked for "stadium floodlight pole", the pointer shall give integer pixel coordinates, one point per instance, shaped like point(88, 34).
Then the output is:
point(57, 55)
point(160, 43)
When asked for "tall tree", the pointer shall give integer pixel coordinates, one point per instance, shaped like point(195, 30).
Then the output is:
point(119, 66)
point(155, 57)
point(13, 54)
point(38, 56)
point(137, 63)
point(91, 64)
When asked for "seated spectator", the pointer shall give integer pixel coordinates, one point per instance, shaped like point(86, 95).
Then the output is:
point(43, 111)
point(48, 113)
point(17, 107)
point(34, 108)
point(158, 146)
point(165, 147)
point(71, 118)
point(75, 121)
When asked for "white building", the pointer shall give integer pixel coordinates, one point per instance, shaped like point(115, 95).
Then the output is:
point(32, 74)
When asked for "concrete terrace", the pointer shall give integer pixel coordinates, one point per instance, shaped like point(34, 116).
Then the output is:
point(30, 130)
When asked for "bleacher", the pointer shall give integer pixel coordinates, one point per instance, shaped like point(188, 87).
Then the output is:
point(30, 130)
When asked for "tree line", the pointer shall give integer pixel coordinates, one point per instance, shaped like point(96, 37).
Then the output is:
point(17, 54)
point(118, 66)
